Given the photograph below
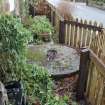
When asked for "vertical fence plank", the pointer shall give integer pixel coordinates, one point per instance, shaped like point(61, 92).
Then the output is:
point(92, 87)
point(103, 97)
point(86, 34)
point(100, 41)
point(89, 40)
point(66, 33)
point(97, 87)
point(78, 36)
point(70, 35)
point(89, 79)
point(101, 89)
point(57, 25)
point(81, 34)
point(75, 33)
point(102, 56)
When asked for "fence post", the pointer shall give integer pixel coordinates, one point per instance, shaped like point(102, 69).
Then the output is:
point(83, 73)
point(61, 32)
point(53, 18)
point(49, 13)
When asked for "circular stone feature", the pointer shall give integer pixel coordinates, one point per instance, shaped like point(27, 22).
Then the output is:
point(58, 59)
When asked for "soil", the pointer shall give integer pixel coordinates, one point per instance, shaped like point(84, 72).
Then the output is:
point(66, 87)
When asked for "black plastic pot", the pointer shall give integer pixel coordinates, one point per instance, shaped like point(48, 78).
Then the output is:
point(15, 93)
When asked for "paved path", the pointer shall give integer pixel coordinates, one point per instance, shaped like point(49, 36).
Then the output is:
point(79, 10)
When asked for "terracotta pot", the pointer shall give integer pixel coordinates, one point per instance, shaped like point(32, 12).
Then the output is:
point(36, 103)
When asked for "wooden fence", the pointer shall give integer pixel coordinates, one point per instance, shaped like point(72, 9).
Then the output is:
point(91, 83)
point(83, 34)
point(79, 33)
point(95, 91)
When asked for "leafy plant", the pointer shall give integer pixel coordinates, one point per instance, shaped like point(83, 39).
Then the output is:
point(39, 86)
point(38, 25)
point(13, 42)
point(41, 25)
point(13, 48)
point(36, 80)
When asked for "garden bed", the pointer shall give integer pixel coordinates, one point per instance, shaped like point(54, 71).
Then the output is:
point(64, 62)
point(66, 87)
point(37, 85)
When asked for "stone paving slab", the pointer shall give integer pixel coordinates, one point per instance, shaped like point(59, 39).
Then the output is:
point(66, 61)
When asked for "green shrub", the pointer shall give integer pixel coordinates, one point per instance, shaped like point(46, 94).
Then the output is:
point(39, 86)
point(36, 81)
point(41, 25)
point(38, 25)
point(13, 42)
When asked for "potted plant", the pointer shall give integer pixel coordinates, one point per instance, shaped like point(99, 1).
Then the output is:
point(40, 27)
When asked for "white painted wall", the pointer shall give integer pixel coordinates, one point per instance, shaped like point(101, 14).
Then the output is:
point(12, 5)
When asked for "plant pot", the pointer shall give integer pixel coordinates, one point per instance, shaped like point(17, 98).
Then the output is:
point(37, 102)
point(45, 37)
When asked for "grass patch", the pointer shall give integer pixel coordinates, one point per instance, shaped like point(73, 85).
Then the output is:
point(37, 56)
